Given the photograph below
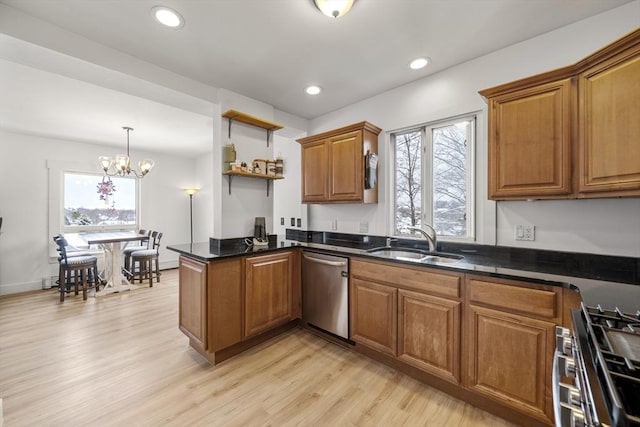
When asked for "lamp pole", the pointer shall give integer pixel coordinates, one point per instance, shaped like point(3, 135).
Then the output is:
point(191, 192)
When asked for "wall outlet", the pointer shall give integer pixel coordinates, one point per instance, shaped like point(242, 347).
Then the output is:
point(334, 225)
point(364, 227)
point(525, 232)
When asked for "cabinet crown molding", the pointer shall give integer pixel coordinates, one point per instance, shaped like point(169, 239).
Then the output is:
point(333, 132)
point(622, 44)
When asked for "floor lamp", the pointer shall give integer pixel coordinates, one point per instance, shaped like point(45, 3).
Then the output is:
point(191, 192)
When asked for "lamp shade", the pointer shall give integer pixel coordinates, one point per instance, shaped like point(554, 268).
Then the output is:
point(334, 8)
point(145, 166)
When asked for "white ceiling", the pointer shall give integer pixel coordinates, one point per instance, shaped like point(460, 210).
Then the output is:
point(269, 50)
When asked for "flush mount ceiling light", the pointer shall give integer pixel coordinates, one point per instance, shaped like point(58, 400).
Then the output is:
point(121, 164)
point(418, 63)
point(168, 17)
point(334, 8)
point(313, 90)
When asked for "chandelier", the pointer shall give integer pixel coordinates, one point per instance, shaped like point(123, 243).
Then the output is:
point(121, 164)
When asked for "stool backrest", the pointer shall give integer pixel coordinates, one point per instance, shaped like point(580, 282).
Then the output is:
point(147, 233)
point(156, 241)
point(62, 247)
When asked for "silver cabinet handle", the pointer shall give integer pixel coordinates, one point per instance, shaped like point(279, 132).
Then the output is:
point(325, 262)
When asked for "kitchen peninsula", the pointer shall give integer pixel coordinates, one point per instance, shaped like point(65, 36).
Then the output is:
point(477, 313)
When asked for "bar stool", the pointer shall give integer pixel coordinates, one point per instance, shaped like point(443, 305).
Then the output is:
point(126, 252)
point(141, 261)
point(71, 250)
point(76, 271)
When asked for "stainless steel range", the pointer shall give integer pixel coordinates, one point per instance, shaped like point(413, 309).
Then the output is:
point(596, 372)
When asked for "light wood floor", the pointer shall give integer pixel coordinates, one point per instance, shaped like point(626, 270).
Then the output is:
point(120, 360)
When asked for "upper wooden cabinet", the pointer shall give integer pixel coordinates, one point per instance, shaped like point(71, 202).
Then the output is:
point(571, 132)
point(530, 141)
point(333, 165)
point(609, 129)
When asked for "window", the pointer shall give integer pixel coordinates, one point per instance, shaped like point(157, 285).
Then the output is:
point(91, 201)
point(433, 178)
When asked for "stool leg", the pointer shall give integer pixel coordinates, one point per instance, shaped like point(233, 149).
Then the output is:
point(96, 277)
point(85, 276)
point(157, 262)
point(150, 272)
point(75, 281)
point(62, 283)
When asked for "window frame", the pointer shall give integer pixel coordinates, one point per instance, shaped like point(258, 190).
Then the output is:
point(427, 208)
point(71, 229)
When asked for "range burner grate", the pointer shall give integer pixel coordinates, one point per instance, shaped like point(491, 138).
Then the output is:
point(614, 340)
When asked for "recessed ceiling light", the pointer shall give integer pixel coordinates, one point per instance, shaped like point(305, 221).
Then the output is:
point(313, 90)
point(418, 63)
point(168, 17)
point(334, 8)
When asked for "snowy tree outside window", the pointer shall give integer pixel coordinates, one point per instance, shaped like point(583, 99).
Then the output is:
point(433, 178)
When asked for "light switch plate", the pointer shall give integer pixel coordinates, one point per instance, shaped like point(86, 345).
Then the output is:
point(525, 232)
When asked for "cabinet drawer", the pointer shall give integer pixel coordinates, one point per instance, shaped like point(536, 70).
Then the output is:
point(407, 277)
point(529, 299)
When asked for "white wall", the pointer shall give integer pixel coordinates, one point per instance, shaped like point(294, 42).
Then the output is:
point(25, 189)
point(248, 198)
point(455, 91)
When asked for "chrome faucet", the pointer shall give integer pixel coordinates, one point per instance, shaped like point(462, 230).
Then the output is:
point(431, 238)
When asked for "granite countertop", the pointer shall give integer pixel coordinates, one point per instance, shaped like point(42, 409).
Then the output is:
point(609, 294)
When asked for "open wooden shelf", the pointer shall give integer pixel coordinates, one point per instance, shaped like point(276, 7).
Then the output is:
point(248, 119)
point(251, 120)
point(268, 178)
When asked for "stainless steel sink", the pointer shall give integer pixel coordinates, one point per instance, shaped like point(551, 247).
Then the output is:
point(415, 255)
point(442, 258)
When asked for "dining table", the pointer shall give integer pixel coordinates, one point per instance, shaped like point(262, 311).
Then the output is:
point(113, 242)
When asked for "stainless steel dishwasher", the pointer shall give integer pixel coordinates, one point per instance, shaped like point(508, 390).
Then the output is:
point(325, 292)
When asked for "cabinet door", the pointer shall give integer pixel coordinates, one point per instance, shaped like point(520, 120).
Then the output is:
point(609, 139)
point(267, 292)
point(530, 142)
point(315, 166)
point(429, 334)
point(346, 175)
point(192, 304)
point(510, 358)
point(374, 315)
point(225, 303)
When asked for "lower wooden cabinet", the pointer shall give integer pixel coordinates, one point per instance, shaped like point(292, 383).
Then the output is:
point(410, 313)
point(510, 359)
point(192, 301)
point(429, 334)
point(225, 303)
point(510, 339)
point(229, 304)
point(374, 315)
point(268, 301)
